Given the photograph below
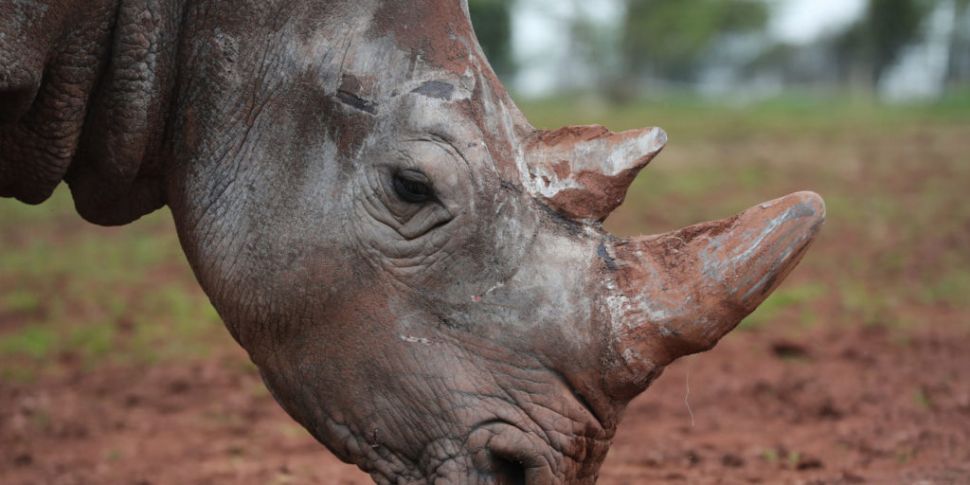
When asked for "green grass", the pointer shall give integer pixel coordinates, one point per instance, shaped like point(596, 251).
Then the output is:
point(31, 341)
point(795, 300)
point(689, 118)
point(20, 301)
point(97, 295)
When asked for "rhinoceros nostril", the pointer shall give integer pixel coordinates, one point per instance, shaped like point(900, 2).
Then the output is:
point(507, 470)
point(507, 455)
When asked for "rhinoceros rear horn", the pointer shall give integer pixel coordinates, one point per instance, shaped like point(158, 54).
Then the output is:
point(678, 293)
point(585, 171)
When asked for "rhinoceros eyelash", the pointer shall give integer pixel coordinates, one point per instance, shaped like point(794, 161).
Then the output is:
point(413, 186)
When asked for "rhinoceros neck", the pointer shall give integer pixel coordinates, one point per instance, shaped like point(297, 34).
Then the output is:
point(91, 105)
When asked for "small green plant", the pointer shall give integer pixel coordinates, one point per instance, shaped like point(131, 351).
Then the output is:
point(922, 399)
point(784, 298)
point(35, 341)
point(113, 455)
point(93, 342)
point(770, 455)
point(20, 301)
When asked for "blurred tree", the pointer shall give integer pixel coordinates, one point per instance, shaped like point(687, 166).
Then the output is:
point(892, 25)
point(592, 47)
point(878, 39)
point(493, 26)
point(958, 65)
point(850, 55)
point(669, 38)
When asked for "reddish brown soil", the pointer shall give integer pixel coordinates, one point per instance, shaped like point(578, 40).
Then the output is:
point(869, 405)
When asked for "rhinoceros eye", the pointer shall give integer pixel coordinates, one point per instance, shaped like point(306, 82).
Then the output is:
point(413, 186)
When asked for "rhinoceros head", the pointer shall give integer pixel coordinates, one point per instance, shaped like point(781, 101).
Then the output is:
point(421, 276)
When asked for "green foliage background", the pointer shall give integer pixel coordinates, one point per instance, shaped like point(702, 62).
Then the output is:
point(493, 26)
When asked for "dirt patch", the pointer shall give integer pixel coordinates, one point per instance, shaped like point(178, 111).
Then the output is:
point(206, 422)
point(863, 405)
point(867, 405)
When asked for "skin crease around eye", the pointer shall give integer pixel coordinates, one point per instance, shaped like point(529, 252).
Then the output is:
point(429, 218)
point(413, 205)
point(413, 197)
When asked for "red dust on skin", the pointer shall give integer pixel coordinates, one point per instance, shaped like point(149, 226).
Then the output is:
point(584, 171)
point(431, 30)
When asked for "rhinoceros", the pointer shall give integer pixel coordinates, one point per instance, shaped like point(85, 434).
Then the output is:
point(422, 277)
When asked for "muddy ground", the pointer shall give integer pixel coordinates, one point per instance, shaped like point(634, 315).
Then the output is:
point(828, 406)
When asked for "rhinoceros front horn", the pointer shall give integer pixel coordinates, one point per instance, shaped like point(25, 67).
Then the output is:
point(584, 171)
point(678, 293)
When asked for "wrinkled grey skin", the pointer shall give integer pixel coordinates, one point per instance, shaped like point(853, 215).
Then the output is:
point(492, 334)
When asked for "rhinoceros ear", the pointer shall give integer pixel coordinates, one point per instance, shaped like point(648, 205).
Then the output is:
point(117, 175)
point(90, 112)
point(585, 171)
point(18, 86)
point(24, 47)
